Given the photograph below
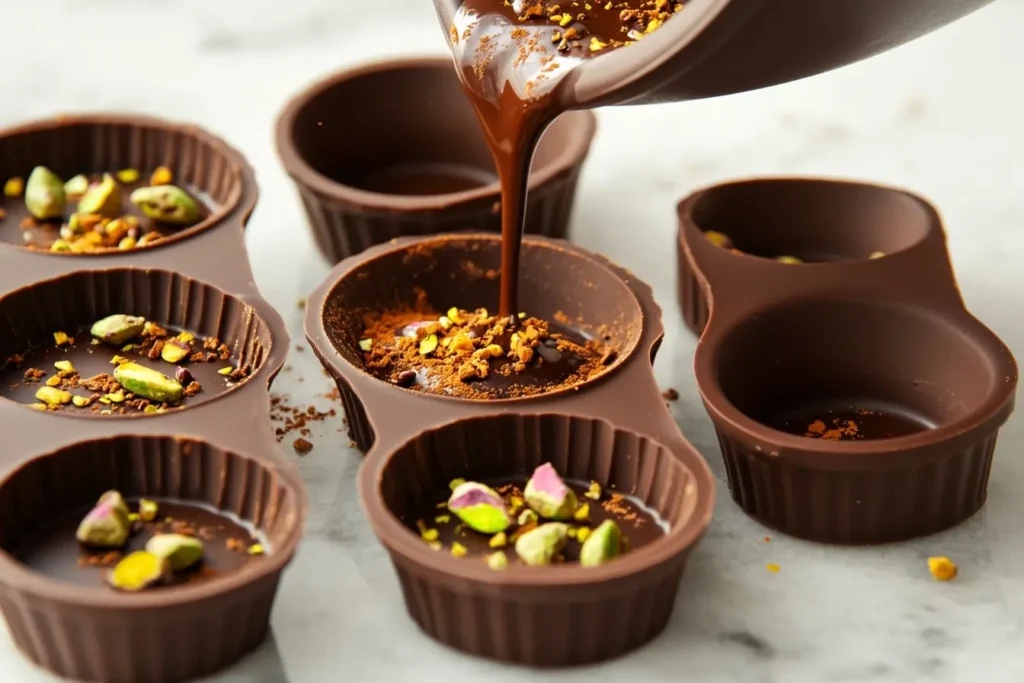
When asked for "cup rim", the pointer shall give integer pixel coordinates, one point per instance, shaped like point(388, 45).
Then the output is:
point(398, 539)
point(778, 444)
point(573, 154)
point(16, 575)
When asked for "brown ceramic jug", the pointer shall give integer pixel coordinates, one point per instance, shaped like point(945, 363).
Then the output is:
point(720, 47)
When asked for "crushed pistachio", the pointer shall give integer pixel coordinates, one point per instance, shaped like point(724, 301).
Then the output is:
point(60, 338)
point(64, 366)
point(459, 550)
point(582, 534)
point(582, 513)
point(593, 492)
point(497, 561)
point(127, 176)
point(148, 509)
point(256, 549)
point(498, 540)
point(365, 344)
point(428, 344)
point(14, 187)
point(942, 568)
point(442, 519)
point(226, 371)
point(161, 176)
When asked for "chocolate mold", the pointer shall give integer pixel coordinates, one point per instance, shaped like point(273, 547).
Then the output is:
point(70, 145)
point(171, 633)
point(200, 279)
point(772, 218)
point(415, 162)
point(856, 400)
point(615, 429)
point(72, 303)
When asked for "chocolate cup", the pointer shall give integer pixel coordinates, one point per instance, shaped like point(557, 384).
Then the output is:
point(615, 428)
point(412, 112)
point(30, 315)
point(69, 145)
point(185, 279)
point(542, 616)
point(169, 634)
point(891, 331)
point(768, 218)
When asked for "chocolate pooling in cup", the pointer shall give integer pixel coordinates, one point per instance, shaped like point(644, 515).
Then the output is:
point(511, 58)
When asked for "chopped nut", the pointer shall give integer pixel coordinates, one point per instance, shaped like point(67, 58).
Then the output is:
point(582, 513)
point(499, 540)
point(428, 344)
point(547, 494)
point(161, 176)
point(365, 344)
point(148, 510)
point(479, 507)
point(102, 199)
point(179, 551)
point(497, 561)
point(52, 396)
point(175, 351)
point(256, 549)
point(539, 546)
point(118, 329)
point(106, 525)
point(64, 366)
point(527, 517)
point(77, 186)
point(60, 338)
point(226, 371)
point(128, 176)
point(459, 550)
point(138, 571)
point(942, 568)
point(81, 401)
point(148, 383)
point(53, 381)
point(429, 534)
point(582, 534)
point(167, 204)
point(602, 545)
point(14, 187)
point(44, 194)
point(593, 491)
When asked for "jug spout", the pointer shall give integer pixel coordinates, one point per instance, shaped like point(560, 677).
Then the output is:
point(720, 47)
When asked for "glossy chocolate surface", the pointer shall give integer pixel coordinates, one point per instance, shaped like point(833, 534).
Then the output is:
point(52, 549)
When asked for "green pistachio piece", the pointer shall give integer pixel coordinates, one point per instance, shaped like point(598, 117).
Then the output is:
point(539, 546)
point(138, 571)
point(103, 198)
point(479, 507)
point(77, 186)
point(106, 525)
point(44, 194)
point(548, 495)
point(175, 351)
point(719, 239)
point(148, 383)
point(53, 396)
point(497, 561)
point(167, 204)
point(526, 517)
point(603, 544)
point(148, 509)
point(118, 329)
point(366, 344)
point(180, 551)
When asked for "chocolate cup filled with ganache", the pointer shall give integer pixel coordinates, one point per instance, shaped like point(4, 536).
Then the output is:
point(153, 341)
point(533, 592)
point(612, 428)
point(92, 184)
point(94, 335)
point(856, 400)
point(393, 148)
point(242, 513)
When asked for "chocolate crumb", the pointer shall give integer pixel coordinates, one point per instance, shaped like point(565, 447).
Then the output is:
point(302, 446)
point(670, 395)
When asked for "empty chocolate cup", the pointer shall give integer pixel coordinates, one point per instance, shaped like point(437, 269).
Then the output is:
point(856, 400)
point(815, 221)
point(456, 270)
point(556, 615)
point(30, 316)
point(170, 633)
point(393, 149)
point(107, 143)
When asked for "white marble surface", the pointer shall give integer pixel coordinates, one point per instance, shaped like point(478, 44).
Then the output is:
point(942, 116)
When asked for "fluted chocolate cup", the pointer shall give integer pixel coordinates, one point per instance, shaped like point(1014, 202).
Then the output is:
point(614, 429)
point(218, 451)
point(855, 398)
point(393, 149)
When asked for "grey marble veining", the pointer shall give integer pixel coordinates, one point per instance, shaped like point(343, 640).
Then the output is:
point(941, 116)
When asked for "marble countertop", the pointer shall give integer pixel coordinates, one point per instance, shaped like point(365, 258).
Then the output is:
point(942, 116)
